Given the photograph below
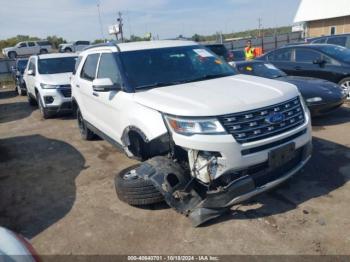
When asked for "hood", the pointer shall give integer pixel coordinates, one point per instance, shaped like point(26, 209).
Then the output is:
point(217, 96)
point(6, 49)
point(56, 79)
point(313, 87)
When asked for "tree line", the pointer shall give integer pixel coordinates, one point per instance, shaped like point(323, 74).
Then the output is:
point(56, 40)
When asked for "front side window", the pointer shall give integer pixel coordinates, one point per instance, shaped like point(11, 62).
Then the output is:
point(22, 45)
point(56, 65)
point(170, 66)
point(320, 41)
point(108, 68)
point(306, 56)
point(283, 55)
point(89, 70)
point(31, 65)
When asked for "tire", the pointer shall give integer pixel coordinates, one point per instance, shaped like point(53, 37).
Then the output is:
point(44, 112)
point(85, 132)
point(68, 50)
point(135, 190)
point(43, 51)
point(31, 100)
point(19, 90)
point(345, 84)
point(12, 55)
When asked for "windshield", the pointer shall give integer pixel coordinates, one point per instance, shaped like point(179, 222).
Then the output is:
point(261, 69)
point(175, 65)
point(56, 65)
point(21, 65)
point(337, 52)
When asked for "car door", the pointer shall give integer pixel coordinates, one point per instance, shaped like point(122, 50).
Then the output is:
point(306, 64)
point(108, 105)
point(282, 59)
point(87, 101)
point(22, 48)
point(32, 48)
point(30, 79)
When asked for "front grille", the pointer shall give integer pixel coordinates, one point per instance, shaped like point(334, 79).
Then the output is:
point(252, 125)
point(66, 92)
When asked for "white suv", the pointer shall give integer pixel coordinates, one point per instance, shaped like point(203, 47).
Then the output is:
point(47, 80)
point(178, 106)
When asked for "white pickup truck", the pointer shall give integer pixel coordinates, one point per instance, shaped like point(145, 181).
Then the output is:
point(27, 48)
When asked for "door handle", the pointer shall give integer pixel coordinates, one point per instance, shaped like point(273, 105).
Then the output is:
point(95, 94)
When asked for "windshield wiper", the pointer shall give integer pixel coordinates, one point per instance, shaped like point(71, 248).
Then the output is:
point(207, 77)
point(158, 84)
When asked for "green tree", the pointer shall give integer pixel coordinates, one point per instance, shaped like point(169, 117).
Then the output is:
point(55, 41)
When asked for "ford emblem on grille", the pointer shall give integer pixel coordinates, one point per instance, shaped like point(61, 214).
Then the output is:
point(274, 118)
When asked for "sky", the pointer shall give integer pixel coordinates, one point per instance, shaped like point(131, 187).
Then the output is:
point(79, 20)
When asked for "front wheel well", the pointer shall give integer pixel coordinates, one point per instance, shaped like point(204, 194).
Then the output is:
point(138, 146)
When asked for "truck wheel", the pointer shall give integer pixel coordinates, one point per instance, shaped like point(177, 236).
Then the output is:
point(44, 112)
point(43, 51)
point(67, 50)
point(31, 100)
point(85, 132)
point(12, 55)
point(135, 190)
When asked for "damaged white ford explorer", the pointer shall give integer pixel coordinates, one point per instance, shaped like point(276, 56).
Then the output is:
point(207, 138)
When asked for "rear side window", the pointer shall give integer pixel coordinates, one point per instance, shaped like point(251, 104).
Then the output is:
point(89, 70)
point(31, 44)
point(108, 68)
point(306, 56)
point(82, 43)
point(339, 40)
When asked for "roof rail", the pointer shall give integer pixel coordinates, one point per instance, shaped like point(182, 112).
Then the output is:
point(109, 44)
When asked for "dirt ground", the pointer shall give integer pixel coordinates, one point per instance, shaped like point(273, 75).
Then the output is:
point(58, 191)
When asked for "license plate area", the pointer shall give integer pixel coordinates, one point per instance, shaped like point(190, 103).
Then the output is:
point(281, 155)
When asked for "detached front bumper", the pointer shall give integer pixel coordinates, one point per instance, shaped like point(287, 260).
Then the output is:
point(193, 199)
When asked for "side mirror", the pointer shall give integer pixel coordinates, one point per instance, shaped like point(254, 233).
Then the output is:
point(30, 72)
point(104, 85)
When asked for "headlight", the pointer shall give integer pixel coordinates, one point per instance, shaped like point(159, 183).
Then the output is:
point(188, 127)
point(314, 100)
point(46, 86)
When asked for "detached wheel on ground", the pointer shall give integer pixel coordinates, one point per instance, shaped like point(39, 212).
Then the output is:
point(135, 190)
point(85, 132)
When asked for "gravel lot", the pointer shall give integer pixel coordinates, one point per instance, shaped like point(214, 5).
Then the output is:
point(58, 191)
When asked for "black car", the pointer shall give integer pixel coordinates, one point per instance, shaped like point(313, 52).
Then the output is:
point(321, 96)
point(18, 71)
point(342, 40)
point(323, 61)
point(221, 51)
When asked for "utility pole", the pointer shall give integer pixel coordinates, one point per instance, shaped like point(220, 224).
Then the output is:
point(120, 23)
point(259, 26)
point(100, 21)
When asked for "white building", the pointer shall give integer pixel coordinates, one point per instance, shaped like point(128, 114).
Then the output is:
point(324, 17)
